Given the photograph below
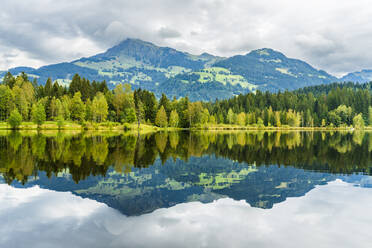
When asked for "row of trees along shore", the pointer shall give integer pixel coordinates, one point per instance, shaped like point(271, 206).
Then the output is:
point(83, 101)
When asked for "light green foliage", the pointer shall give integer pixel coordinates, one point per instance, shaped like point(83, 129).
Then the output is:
point(204, 116)
point(123, 100)
point(21, 102)
point(345, 113)
point(38, 114)
point(53, 111)
point(212, 119)
point(277, 122)
point(241, 119)
point(285, 71)
point(15, 119)
point(223, 76)
point(99, 108)
point(251, 118)
point(129, 115)
point(174, 119)
point(64, 107)
point(77, 107)
point(161, 118)
point(88, 110)
point(195, 113)
point(6, 102)
point(358, 121)
point(293, 118)
point(230, 116)
point(60, 121)
point(334, 119)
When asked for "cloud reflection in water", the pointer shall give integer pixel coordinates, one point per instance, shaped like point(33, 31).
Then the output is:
point(334, 215)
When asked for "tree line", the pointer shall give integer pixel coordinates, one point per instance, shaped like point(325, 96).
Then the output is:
point(84, 101)
point(84, 155)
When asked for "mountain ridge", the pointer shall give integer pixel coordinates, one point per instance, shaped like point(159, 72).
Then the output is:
point(176, 73)
point(362, 76)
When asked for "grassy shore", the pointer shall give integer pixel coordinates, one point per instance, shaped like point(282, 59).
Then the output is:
point(52, 126)
point(87, 126)
point(237, 127)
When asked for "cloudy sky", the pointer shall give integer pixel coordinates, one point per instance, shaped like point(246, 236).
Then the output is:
point(334, 35)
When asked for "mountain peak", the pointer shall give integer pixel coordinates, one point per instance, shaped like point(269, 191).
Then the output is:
point(266, 52)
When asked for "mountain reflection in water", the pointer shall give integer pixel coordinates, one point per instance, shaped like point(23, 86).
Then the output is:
point(139, 174)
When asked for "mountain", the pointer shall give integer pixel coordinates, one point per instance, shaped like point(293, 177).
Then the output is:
point(360, 76)
point(175, 73)
point(272, 70)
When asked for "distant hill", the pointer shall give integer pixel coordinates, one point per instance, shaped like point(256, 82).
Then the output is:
point(358, 77)
point(272, 70)
point(176, 73)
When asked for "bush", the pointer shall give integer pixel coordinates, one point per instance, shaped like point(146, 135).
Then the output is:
point(126, 127)
point(15, 119)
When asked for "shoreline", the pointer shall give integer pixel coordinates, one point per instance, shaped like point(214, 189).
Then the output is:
point(144, 128)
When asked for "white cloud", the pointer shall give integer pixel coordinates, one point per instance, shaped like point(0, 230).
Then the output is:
point(333, 215)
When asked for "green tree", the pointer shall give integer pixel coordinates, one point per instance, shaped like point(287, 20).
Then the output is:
point(140, 112)
point(130, 115)
point(99, 107)
point(241, 119)
point(161, 118)
point(277, 119)
point(230, 116)
point(334, 118)
point(260, 122)
point(123, 100)
point(88, 110)
point(64, 108)
point(38, 114)
point(6, 102)
point(53, 108)
point(173, 118)
point(21, 102)
point(77, 107)
point(15, 119)
point(358, 121)
point(9, 80)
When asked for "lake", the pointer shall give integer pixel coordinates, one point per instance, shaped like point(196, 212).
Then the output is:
point(186, 189)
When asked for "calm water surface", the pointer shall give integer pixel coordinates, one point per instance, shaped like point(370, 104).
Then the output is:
point(181, 189)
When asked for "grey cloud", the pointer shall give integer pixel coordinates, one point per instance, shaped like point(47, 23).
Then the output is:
point(333, 35)
point(165, 32)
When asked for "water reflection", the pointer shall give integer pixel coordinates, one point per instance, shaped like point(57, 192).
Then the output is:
point(325, 217)
point(87, 154)
point(181, 189)
point(139, 174)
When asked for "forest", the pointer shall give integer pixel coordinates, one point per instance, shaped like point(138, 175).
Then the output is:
point(333, 105)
